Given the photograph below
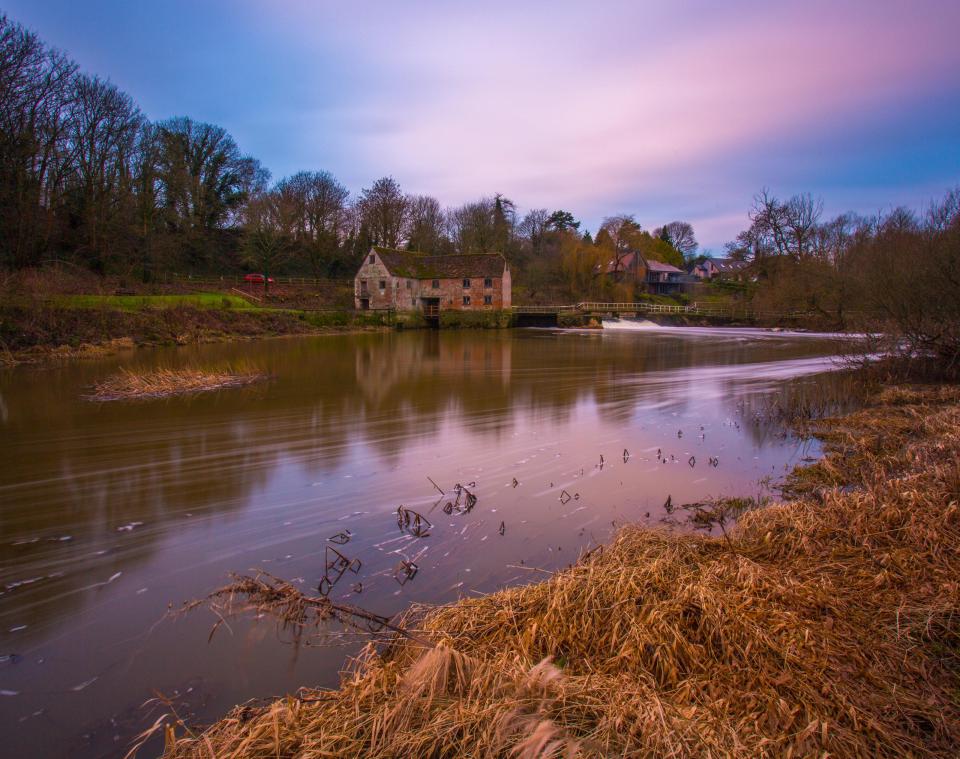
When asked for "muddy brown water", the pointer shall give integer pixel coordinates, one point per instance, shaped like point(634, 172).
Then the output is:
point(110, 512)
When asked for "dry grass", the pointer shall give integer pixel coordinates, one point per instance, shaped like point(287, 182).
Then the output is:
point(127, 385)
point(826, 626)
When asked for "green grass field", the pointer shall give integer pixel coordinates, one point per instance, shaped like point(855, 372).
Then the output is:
point(138, 302)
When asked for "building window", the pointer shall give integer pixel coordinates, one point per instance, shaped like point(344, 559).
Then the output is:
point(488, 282)
point(466, 300)
point(466, 283)
point(372, 259)
point(383, 284)
point(488, 300)
point(436, 284)
point(409, 284)
point(363, 286)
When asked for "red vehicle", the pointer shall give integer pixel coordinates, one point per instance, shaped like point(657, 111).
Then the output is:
point(257, 278)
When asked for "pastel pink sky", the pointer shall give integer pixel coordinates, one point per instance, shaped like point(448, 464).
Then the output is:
point(663, 109)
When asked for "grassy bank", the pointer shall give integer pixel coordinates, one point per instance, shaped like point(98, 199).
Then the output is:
point(138, 302)
point(822, 626)
point(44, 331)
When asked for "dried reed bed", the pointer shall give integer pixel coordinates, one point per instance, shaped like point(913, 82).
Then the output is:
point(827, 626)
point(127, 385)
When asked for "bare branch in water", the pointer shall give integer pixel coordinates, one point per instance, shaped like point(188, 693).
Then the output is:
point(264, 594)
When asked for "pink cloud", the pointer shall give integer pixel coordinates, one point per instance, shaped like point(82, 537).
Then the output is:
point(562, 105)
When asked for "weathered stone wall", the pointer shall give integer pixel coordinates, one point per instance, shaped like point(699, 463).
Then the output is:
point(452, 292)
point(366, 285)
point(405, 294)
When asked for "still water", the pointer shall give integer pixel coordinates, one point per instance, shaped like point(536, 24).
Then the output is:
point(110, 512)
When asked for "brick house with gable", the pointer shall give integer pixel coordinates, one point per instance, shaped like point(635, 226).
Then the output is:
point(405, 280)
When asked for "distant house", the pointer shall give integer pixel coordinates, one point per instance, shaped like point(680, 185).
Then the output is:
point(659, 278)
point(717, 268)
point(405, 280)
point(705, 270)
point(728, 269)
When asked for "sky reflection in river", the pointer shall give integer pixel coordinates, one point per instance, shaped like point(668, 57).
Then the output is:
point(111, 511)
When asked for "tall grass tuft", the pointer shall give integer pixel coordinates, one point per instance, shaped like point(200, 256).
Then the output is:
point(162, 383)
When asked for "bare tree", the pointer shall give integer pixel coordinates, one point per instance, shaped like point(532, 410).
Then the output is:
point(318, 203)
point(384, 212)
point(473, 227)
point(102, 130)
point(35, 90)
point(621, 233)
point(533, 226)
point(680, 235)
point(801, 217)
point(206, 181)
point(268, 230)
point(427, 225)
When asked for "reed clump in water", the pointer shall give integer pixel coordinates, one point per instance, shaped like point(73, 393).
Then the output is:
point(826, 625)
point(161, 383)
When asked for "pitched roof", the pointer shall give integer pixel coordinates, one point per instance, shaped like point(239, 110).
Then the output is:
point(625, 262)
point(660, 266)
point(725, 264)
point(704, 265)
point(414, 265)
point(629, 260)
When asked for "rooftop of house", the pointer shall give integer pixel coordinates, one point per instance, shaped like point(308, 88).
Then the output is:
point(629, 260)
point(660, 266)
point(725, 264)
point(625, 262)
point(414, 265)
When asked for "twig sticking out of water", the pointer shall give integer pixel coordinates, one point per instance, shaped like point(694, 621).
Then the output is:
point(413, 522)
point(405, 571)
point(469, 500)
point(335, 565)
point(266, 595)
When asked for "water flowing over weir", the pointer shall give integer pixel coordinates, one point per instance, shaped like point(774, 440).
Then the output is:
point(112, 511)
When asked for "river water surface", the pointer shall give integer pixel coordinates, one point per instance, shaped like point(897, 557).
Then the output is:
point(110, 512)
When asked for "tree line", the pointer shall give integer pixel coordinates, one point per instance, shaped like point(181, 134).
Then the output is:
point(86, 177)
point(897, 272)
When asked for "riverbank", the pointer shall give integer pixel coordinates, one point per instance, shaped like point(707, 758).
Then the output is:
point(822, 625)
point(45, 332)
point(92, 326)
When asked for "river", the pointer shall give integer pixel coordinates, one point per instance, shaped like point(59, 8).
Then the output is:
point(110, 512)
